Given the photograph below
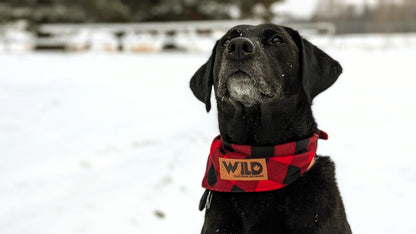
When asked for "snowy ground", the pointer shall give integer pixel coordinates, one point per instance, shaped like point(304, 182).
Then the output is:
point(116, 143)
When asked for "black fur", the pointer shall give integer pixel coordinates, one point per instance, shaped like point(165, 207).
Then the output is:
point(264, 95)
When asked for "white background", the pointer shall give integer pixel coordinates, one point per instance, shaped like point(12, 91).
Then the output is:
point(116, 143)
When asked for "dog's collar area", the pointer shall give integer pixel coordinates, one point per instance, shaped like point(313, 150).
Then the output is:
point(245, 168)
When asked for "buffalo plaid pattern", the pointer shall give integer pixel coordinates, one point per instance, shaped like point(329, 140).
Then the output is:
point(285, 163)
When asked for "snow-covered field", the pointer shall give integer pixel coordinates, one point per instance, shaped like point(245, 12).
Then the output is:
point(116, 143)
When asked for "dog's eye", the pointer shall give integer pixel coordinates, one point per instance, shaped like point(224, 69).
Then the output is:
point(226, 42)
point(276, 40)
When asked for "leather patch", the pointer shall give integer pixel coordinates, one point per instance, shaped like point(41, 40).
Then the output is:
point(243, 169)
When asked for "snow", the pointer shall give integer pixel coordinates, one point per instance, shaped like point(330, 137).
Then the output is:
point(103, 41)
point(16, 40)
point(116, 143)
point(296, 8)
point(133, 42)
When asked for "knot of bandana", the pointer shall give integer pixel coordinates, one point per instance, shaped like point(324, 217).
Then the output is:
point(245, 168)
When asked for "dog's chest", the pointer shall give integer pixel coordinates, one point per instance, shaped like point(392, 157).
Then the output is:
point(301, 206)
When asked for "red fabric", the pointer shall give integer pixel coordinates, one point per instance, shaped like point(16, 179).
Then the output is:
point(244, 168)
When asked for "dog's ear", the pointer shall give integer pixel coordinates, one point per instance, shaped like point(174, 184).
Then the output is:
point(319, 71)
point(202, 80)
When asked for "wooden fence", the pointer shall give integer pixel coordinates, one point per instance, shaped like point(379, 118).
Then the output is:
point(145, 37)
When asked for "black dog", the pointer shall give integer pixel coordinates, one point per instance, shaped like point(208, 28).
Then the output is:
point(265, 78)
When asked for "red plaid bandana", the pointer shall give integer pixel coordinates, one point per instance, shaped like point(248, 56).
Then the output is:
point(245, 168)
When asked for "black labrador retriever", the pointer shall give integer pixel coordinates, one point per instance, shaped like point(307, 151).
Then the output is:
point(265, 78)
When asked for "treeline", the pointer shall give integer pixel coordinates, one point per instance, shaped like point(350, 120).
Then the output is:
point(383, 11)
point(47, 11)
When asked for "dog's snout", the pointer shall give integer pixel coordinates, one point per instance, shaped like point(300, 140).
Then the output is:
point(240, 48)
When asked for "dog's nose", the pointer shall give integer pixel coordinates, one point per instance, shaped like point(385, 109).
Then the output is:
point(240, 48)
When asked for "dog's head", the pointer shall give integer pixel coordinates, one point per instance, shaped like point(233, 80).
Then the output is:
point(264, 64)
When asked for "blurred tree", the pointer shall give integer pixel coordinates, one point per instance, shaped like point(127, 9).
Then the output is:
point(41, 11)
point(140, 10)
point(106, 10)
point(410, 9)
point(246, 7)
point(188, 10)
point(383, 11)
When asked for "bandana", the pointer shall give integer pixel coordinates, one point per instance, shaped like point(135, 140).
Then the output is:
point(245, 168)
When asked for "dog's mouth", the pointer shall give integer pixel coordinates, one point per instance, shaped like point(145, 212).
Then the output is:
point(244, 88)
